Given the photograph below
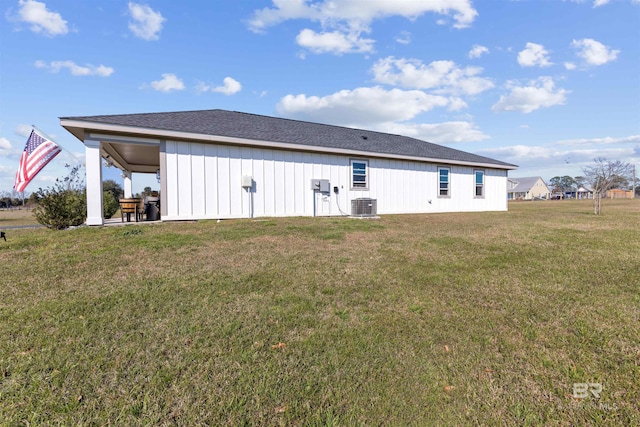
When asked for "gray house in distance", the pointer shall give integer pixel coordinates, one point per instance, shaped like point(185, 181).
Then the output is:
point(226, 164)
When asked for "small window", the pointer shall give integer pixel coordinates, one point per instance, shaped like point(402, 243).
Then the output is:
point(359, 171)
point(479, 183)
point(443, 182)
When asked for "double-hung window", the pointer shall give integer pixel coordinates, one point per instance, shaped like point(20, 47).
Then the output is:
point(359, 174)
point(479, 183)
point(444, 182)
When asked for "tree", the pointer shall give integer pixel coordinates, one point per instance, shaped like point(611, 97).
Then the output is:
point(33, 199)
point(580, 181)
point(604, 175)
point(622, 182)
point(113, 187)
point(562, 184)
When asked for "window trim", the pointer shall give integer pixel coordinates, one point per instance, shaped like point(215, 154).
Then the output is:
point(366, 174)
point(475, 184)
point(438, 189)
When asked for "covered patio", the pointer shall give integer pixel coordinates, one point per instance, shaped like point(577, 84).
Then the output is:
point(118, 148)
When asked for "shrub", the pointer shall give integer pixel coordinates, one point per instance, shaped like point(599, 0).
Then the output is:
point(109, 204)
point(64, 205)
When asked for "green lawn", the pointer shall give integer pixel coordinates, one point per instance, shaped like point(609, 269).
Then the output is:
point(441, 319)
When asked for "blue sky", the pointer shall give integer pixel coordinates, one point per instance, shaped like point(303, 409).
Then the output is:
point(545, 84)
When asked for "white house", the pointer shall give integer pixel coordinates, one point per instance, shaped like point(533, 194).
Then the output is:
point(224, 164)
point(528, 188)
point(584, 192)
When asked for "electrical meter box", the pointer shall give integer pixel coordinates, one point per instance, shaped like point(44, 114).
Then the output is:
point(321, 185)
point(247, 181)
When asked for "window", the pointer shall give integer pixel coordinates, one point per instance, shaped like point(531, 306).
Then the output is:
point(359, 174)
point(479, 183)
point(443, 182)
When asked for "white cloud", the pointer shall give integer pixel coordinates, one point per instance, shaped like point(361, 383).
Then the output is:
point(594, 52)
point(41, 19)
point(4, 144)
point(520, 152)
point(283, 11)
point(230, 86)
point(404, 37)
point(344, 21)
point(569, 66)
point(360, 107)
point(334, 42)
point(168, 83)
point(382, 110)
point(439, 133)
point(549, 156)
point(525, 99)
point(440, 76)
point(146, 23)
point(534, 55)
point(76, 70)
point(23, 130)
point(565, 157)
point(456, 104)
point(477, 51)
point(598, 3)
point(356, 13)
point(607, 140)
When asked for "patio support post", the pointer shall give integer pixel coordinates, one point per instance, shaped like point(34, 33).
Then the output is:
point(163, 179)
point(94, 182)
point(128, 192)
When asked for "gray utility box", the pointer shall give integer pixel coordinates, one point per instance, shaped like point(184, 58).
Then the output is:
point(321, 185)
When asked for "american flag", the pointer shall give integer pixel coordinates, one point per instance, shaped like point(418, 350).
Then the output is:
point(37, 153)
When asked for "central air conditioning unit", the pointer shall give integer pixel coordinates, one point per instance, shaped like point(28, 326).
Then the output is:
point(364, 207)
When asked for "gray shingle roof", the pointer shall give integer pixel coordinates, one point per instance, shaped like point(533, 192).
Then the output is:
point(264, 128)
point(524, 184)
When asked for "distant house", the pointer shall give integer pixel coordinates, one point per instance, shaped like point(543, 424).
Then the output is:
point(226, 164)
point(616, 193)
point(527, 188)
point(584, 192)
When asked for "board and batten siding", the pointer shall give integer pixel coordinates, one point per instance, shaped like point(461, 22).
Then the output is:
point(204, 181)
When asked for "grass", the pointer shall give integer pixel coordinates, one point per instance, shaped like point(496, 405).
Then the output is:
point(17, 218)
point(441, 319)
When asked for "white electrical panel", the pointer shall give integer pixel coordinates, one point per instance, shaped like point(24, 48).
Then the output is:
point(247, 181)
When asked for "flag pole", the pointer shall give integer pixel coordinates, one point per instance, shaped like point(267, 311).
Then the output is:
point(41, 132)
